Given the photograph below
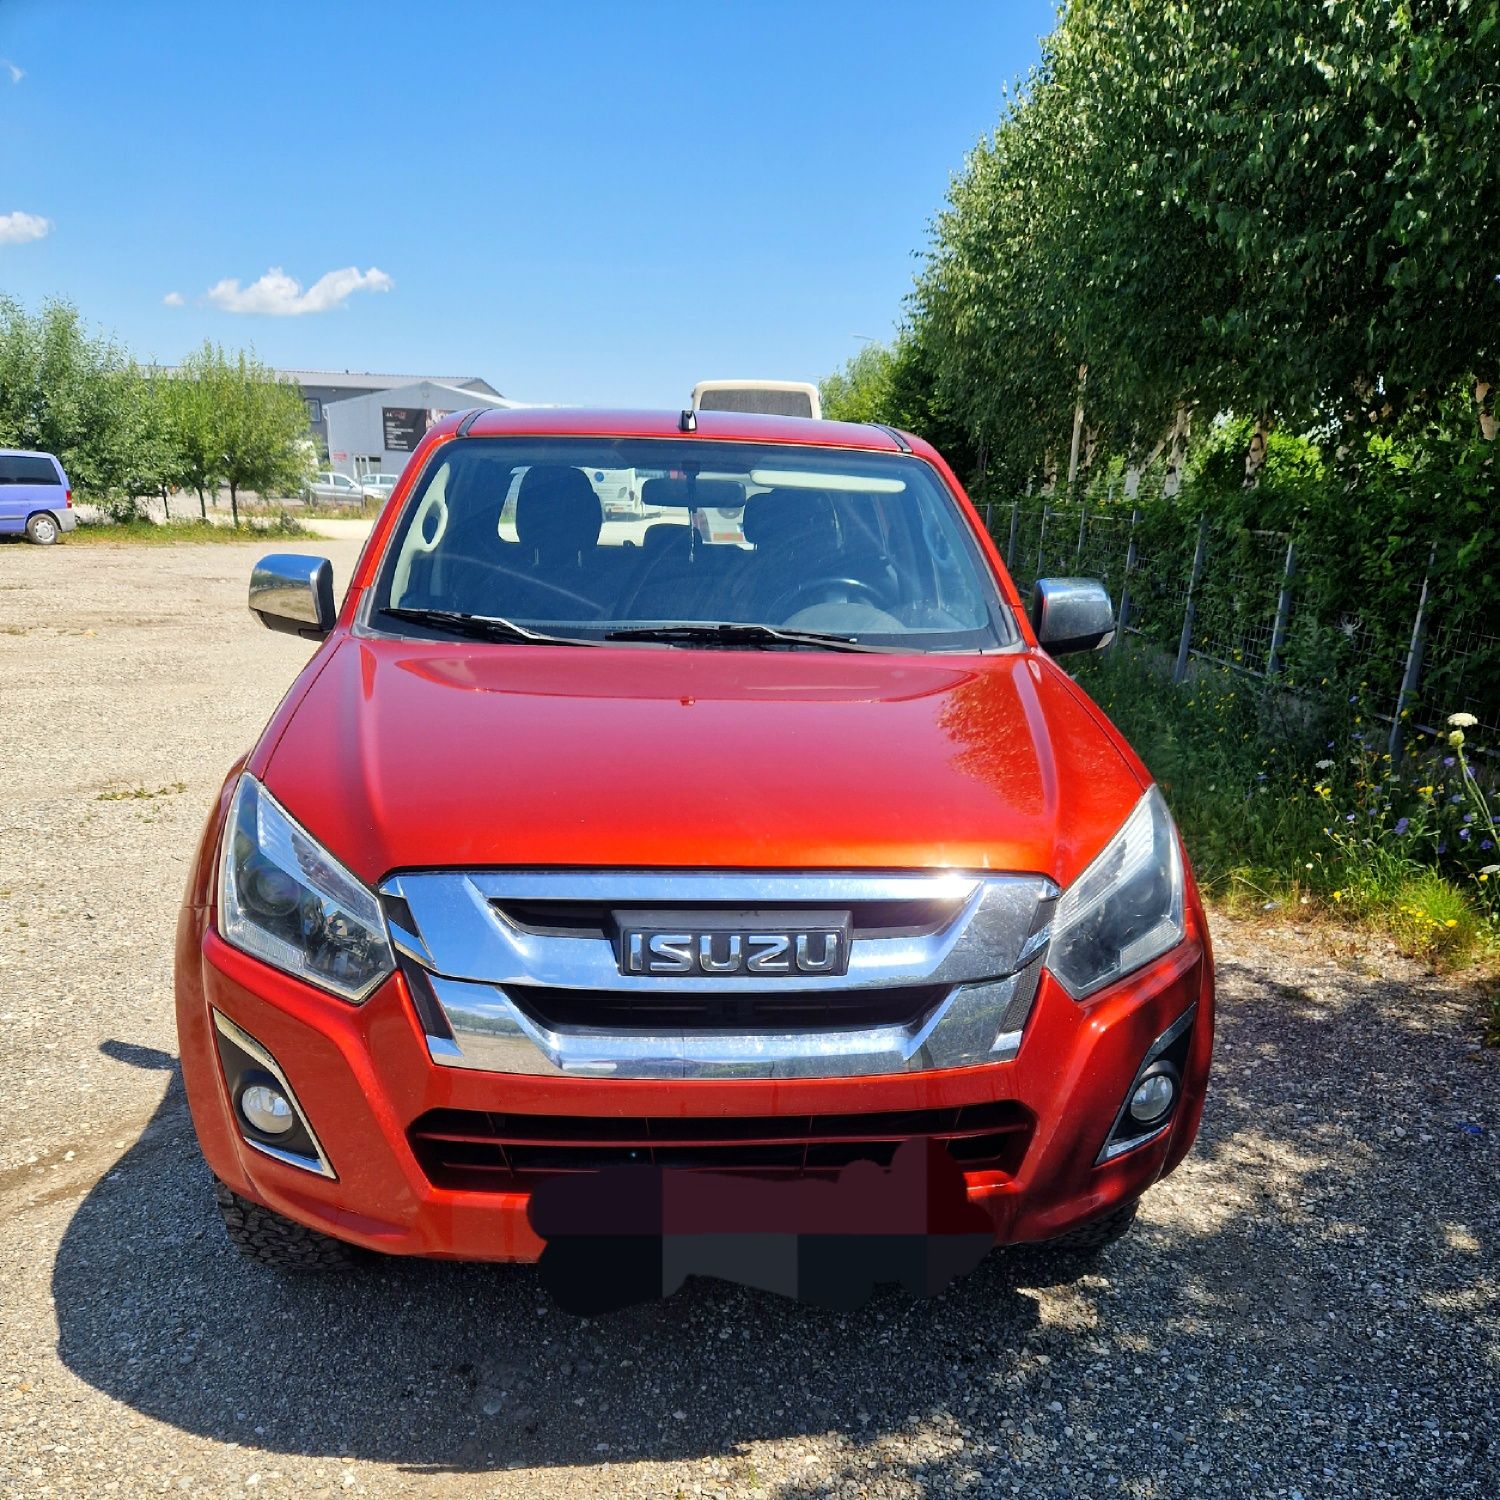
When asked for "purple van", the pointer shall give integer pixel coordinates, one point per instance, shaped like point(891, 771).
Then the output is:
point(34, 496)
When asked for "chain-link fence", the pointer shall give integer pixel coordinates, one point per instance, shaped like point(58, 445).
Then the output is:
point(1231, 597)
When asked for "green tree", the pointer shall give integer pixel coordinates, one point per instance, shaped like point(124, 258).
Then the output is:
point(187, 409)
point(79, 396)
point(1282, 209)
point(895, 384)
point(257, 424)
point(147, 449)
point(861, 391)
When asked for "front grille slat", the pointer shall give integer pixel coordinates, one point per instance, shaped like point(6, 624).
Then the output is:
point(475, 1151)
point(773, 1009)
point(690, 1141)
point(892, 918)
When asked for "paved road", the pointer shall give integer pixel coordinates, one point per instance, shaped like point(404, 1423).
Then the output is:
point(1309, 1307)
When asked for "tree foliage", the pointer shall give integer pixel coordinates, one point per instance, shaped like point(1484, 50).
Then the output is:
point(254, 424)
point(895, 384)
point(123, 432)
point(75, 394)
point(861, 391)
point(1278, 208)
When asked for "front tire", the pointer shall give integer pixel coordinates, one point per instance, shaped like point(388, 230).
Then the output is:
point(42, 529)
point(1091, 1238)
point(280, 1243)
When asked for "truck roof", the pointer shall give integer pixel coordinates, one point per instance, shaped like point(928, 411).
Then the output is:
point(712, 426)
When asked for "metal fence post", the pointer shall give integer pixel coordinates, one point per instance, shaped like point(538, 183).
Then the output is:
point(1185, 643)
point(1130, 561)
point(1413, 673)
point(1083, 516)
point(1283, 610)
point(1015, 526)
point(988, 524)
point(1041, 541)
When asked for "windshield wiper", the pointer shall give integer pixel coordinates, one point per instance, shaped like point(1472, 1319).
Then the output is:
point(735, 633)
point(480, 627)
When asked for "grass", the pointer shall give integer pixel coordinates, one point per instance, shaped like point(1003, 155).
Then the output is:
point(140, 793)
point(312, 510)
point(1299, 809)
point(155, 533)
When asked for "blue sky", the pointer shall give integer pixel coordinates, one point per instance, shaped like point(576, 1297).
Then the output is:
point(581, 202)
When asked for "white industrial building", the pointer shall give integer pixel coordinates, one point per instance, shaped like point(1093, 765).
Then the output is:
point(378, 432)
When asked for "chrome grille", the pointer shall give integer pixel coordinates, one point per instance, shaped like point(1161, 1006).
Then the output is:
point(519, 972)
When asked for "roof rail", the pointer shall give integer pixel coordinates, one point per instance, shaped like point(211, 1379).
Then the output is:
point(891, 433)
point(470, 418)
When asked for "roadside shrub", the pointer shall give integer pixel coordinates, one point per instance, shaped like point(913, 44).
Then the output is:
point(1290, 806)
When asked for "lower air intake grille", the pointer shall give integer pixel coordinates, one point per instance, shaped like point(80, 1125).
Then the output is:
point(478, 1151)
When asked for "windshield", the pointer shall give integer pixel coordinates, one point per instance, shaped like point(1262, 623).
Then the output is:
point(640, 539)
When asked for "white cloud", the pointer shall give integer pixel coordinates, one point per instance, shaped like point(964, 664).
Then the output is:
point(278, 295)
point(18, 228)
point(173, 299)
point(16, 74)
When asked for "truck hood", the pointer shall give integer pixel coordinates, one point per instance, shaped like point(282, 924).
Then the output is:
point(406, 755)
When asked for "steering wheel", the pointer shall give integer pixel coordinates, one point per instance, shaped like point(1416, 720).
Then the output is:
point(797, 597)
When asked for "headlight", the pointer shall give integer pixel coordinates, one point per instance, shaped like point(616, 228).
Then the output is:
point(287, 900)
point(1125, 909)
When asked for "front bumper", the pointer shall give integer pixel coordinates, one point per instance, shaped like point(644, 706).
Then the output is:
point(364, 1075)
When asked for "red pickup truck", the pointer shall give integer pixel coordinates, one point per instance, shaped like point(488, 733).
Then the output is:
point(585, 843)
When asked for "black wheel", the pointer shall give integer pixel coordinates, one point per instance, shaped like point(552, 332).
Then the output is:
point(266, 1237)
point(42, 529)
point(1089, 1239)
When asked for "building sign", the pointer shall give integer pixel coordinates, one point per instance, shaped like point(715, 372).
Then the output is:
point(405, 425)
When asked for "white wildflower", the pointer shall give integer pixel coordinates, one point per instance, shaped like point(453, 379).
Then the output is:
point(1462, 721)
point(1322, 765)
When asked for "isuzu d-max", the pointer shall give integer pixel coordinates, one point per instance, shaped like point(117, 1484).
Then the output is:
point(582, 843)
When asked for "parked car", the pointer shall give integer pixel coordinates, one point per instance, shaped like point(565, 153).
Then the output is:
point(333, 486)
point(35, 496)
point(378, 487)
point(568, 851)
point(777, 398)
point(617, 493)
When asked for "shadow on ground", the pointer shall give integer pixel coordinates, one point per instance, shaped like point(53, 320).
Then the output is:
point(1310, 1301)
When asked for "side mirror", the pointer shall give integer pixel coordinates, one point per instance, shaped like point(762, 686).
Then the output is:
point(293, 594)
point(1071, 614)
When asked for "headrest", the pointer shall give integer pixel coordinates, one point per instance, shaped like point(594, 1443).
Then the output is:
point(782, 517)
point(663, 534)
point(557, 510)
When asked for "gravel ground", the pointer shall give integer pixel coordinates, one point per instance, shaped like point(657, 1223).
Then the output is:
point(1309, 1307)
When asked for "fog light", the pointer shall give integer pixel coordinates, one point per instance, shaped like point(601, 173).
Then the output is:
point(267, 1109)
point(1153, 1096)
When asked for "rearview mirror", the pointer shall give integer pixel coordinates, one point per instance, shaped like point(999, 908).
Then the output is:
point(1071, 614)
point(293, 594)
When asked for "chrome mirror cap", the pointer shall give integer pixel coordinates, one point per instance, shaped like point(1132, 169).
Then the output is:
point(1071, 614)
point(293, 594)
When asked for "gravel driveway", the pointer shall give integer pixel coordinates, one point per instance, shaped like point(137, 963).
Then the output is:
point(1309, 1307)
